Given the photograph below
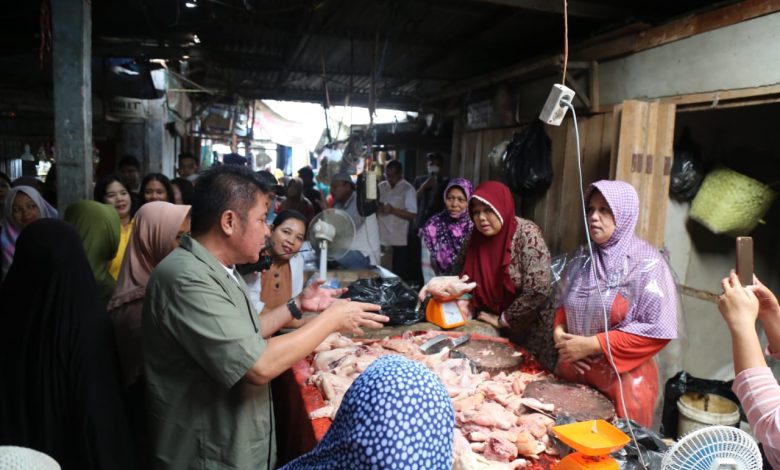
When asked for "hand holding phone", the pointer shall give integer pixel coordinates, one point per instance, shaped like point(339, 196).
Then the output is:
point(745, 260)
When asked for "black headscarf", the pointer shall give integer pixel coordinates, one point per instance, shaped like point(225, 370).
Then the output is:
point(59, 384)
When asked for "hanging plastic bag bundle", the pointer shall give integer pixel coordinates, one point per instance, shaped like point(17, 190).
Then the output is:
point(527, 166)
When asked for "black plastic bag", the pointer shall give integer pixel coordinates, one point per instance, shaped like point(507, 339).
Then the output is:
point(687, 168)
point(683, 383)
point(648, 443)
point(527, 166)
point(398, 301)
point(365, 207)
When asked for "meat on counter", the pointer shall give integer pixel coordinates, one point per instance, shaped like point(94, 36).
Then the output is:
point(496, 427)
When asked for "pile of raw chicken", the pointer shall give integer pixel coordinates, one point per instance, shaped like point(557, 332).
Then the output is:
point(496, 427)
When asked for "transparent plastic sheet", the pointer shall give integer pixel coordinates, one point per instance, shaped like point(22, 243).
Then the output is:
point(398, 301)
point(637, 278)
point(670, 358)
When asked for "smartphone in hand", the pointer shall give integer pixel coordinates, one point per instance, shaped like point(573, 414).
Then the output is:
point(745, 260)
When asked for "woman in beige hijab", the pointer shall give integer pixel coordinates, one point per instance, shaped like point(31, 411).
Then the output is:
point(158, 227)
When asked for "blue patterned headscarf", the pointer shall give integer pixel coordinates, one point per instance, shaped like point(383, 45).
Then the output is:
point(396, 415)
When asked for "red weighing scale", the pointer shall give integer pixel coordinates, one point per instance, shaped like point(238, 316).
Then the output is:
point(593, 441)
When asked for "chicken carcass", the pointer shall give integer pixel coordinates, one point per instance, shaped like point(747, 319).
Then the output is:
point(445, 288)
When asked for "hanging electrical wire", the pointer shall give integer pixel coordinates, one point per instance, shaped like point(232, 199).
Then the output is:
point(565, 39)
point(45, 25)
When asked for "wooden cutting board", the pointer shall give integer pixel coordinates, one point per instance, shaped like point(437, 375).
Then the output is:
point(490, 356)
point(581, 402)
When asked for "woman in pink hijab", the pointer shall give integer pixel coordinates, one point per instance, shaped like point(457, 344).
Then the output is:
point(629, 279)
point(158, 227)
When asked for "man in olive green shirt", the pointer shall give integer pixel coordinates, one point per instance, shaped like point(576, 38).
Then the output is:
point(208, 359)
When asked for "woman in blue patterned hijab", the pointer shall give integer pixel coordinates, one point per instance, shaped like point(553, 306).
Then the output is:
point(396, 415)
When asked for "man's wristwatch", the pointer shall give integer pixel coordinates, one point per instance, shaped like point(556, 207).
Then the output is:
point(294, 310)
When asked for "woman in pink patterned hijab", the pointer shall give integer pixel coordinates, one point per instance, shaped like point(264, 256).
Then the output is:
point(640, 298)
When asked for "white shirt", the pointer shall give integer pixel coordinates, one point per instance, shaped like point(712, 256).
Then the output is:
point(393, 229)
point(366, 230)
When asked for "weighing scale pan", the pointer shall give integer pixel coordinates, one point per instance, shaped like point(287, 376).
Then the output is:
point(592, 438)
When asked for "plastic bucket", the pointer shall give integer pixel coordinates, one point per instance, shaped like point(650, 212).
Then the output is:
point(701, 410)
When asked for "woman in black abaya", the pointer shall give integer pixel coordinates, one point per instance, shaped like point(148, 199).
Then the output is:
point(59, 385)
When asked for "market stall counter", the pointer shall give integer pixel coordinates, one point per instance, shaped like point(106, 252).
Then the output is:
point(494, 424)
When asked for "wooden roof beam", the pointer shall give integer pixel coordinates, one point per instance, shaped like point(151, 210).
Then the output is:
point(576, 8)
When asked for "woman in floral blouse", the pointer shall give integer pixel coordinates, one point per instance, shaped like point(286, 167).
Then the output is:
point(508, 259)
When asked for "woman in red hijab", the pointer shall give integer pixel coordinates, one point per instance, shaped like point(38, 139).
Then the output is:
point(507, 257)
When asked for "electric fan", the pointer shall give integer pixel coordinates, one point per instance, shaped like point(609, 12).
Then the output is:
point(714, 448)
point(331, 233)
point(22, 458)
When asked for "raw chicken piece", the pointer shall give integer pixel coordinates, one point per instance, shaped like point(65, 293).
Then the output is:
point(518, 387)
point(497, 392)
point(333, 387)
point(333, 341)
point(537, 405)
point(463, 457)
point(444, 288)
point(327, 411)
point(500, 449)
point(468, 428)
point(490, 415)
point(536, 423)
point(515, 405)
point(402, 346)
point(528, 445)
point(355, 363)
point(323, 360)
point(469, 403)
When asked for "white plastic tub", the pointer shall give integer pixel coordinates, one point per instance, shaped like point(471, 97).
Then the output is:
point(698, 411)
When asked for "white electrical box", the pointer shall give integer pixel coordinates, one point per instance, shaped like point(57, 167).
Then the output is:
point(553, 112)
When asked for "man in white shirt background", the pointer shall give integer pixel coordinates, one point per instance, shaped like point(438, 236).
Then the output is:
point(365, 246)
point(398, 207)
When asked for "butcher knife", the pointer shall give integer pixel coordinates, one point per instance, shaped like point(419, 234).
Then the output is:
point(439, 342)
point(435, 344)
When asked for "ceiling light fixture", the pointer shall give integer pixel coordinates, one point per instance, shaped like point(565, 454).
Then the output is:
point(191, 4)
point(196, 39)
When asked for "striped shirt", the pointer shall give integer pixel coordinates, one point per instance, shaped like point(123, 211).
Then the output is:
point(759, 394)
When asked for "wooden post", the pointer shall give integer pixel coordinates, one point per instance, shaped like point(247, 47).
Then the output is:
point(644, 159)
point(72, 66)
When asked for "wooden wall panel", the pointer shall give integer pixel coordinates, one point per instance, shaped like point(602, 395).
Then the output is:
point(558, 211)
point(644, 158)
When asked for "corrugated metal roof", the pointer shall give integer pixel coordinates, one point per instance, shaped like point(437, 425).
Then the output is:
point(288, 49)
